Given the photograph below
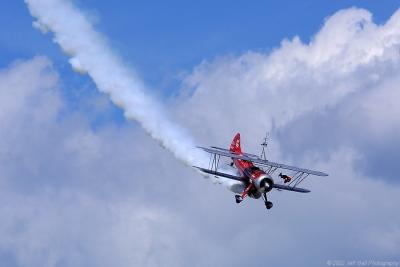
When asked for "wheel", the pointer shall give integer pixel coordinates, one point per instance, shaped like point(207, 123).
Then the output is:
point(238, 198)
point(268, 205)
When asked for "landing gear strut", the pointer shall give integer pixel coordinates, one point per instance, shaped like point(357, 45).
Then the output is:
point(268, 204)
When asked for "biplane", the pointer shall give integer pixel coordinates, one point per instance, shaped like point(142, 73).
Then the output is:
point(254, 177)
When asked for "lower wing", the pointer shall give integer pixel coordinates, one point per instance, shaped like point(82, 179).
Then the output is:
point(241, 179)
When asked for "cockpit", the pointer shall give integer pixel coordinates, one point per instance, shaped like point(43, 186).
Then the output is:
point(253, 169)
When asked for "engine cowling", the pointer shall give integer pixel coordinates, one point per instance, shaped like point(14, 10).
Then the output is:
point(265, 183)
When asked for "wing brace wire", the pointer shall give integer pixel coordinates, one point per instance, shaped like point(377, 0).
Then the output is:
point(214, 162)
point(298, 178)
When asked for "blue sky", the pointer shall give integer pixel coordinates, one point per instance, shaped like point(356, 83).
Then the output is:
point(80, 185)
point(162, 39)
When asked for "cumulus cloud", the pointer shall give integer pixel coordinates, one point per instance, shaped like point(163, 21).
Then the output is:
point(62, 184)
point(328, 103)
point(349, 55)
point(339, 89)
point(72, 196)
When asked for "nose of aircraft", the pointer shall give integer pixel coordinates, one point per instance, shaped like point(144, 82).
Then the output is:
point(266, 184)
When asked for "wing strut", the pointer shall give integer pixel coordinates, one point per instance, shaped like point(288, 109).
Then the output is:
point(298, 178)
point(214, 162)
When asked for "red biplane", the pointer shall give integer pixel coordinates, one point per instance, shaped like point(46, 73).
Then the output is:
point(255, 173)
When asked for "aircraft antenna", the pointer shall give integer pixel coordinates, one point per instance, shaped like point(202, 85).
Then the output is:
point(265, 146)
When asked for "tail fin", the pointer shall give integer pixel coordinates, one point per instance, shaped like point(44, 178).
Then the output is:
point(235, 145)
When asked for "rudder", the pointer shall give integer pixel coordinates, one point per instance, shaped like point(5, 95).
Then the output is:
point(235, 145)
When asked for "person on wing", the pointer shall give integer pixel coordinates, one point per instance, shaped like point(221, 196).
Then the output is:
point(286, 178)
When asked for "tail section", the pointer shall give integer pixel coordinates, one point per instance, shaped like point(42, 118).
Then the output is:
point(235, 145)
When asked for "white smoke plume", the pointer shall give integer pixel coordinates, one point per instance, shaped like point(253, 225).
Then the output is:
point(90, 54)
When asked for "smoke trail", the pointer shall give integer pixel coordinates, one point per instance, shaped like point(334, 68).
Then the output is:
point(90, 54)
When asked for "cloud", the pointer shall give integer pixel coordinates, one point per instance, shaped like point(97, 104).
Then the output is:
point(74, 196)
point(339, 89)
point(89, 53)
point(329, 103)
point(62, 183)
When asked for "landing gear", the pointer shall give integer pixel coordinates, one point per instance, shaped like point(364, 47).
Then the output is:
point(268, 204)
point(238, 198)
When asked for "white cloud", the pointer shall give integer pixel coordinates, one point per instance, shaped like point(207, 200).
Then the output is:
point(17, 92)
point(339, 91)
point(384, 239)
point(71, 196)
point(346, 59)
point(58, 180)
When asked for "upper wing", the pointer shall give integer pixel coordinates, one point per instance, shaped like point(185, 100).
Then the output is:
point(227, 150)
point(237, 178)
point(258, 161)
